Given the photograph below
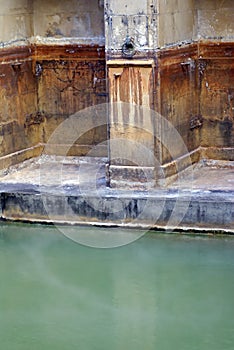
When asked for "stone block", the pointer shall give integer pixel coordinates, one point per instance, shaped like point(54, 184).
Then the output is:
point(124, 7)
point(83, 19)
point(15, 28)
point(217, 24)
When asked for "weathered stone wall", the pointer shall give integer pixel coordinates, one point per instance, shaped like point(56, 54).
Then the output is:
point(18, 109)
point(80, 21)
point(134, 20)
point(53, 64)
point(176, 22)
point(215, 19)
point(196, 94)
point(179, 97)
point(70, 78)
point(150, 24)
point(216, 76)
point(17, 84)
point(131, 124)
point(43, 77)
point(184, 89)
point(69, 62)
point(216, 86)
point(15, 22)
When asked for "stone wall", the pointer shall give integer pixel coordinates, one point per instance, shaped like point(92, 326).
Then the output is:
point(18, 105)
point(80, 21)
point(215, 19)
point(150, 24)
point(185, 89)
point(216, 86)
point(134, 20)
point(53, 63)
point(17, 83)
point(176, 22)
point(43, 77)
point(15, 22)
point(177, 74)
point(216, 76)
point(70, 78)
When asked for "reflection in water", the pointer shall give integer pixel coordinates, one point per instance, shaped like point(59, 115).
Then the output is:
point(161, 292)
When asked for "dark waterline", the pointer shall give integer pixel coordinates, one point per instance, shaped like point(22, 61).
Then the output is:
point(161, 292)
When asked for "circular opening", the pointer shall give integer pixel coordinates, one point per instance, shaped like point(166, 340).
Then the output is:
point(128, 48)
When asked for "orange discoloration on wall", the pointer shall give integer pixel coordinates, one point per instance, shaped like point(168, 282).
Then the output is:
point(191, 86)
point(179, 95)
point(216, 62)
point(41, 86)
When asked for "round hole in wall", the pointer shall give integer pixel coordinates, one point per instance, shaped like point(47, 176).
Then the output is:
point(128, 48)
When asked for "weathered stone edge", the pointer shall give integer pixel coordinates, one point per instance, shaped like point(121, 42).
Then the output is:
point(202, 212)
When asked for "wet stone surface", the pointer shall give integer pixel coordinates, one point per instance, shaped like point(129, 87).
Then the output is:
point(56, 171)
point(74, 190)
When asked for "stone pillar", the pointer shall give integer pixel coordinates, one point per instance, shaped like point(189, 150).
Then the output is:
point(133, 22)
point(131, 123)
point(131, 39)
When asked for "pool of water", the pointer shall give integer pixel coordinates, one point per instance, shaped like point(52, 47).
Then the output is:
point(161, 292)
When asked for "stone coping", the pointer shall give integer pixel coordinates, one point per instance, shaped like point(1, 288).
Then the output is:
point(200, 205)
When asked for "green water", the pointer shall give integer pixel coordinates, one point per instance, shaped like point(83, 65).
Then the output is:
point(161, 292)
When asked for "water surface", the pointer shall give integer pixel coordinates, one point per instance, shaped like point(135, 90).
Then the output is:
point(161, 292)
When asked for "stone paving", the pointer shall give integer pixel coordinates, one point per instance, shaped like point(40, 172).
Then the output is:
point(59, 171)
point(74, 191)
point(56, 171)
point(209, 175)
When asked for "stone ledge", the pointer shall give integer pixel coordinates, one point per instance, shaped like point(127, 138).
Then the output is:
point(73, 190)
point(130, 62)
point(20, 156)
point(195, 211)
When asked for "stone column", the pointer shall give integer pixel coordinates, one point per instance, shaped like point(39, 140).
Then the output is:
point(133, 22)
point(131, 40)
point(131, 123)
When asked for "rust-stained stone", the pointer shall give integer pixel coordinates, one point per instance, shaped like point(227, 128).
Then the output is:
point(70, 79)
point(18, 98)
point(41, 85)
point(178, 93)
point(130, 85)
point(217, 102)
point(34, 102)
point(15, 53)
point(64, 87)
point(68, 51)
point(179, 96)
point(215, 49)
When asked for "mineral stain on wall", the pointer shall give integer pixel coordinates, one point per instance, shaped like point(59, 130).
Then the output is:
point(69, 79)
point(51, 68)
point(53, 63)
